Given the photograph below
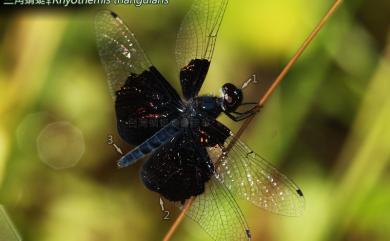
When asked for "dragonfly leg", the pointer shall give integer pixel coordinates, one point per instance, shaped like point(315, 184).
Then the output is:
point(239, 116)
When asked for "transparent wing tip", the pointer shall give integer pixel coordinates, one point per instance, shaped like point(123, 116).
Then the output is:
point(299, 192)
point(300, 209)
point(114, 15)
point(248, 234)
point(104, 15)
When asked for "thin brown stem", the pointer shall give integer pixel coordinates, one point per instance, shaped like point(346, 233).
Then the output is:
point(179, 219)
point(263, 100)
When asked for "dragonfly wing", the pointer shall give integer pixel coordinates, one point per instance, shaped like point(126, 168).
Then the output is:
point(218, 214)
point(140, 92)
point(196, 41)
point(249, 176)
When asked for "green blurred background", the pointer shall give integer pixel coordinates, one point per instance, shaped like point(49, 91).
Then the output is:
point(327, 127)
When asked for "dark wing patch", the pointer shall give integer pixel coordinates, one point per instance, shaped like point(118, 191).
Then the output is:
point(179, 169)
point(213, 132)
point(143, 108)
point(144, 100)
point(192, 77)
point(196, 41)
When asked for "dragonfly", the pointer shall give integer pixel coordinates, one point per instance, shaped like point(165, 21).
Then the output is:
point(183, 145)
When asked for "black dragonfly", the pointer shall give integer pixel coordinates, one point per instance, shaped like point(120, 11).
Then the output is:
point(184, 143)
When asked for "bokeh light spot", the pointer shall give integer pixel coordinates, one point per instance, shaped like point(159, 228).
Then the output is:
point(60, 145)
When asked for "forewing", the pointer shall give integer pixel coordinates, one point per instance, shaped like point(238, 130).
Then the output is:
point(218, 214)
point(250, 177)
point(143, 98)
point(196, 41)
point(121, 53)
point(119, 50)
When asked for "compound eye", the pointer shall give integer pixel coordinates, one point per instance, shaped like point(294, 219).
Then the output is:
point(232, 96)
point(228, 98)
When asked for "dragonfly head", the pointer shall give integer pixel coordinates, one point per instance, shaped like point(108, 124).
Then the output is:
point(232, 97)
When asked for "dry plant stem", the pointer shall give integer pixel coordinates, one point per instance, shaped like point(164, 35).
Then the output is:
point(178, 219)
point(262, 101)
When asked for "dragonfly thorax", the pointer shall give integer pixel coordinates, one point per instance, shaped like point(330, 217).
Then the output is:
point(207, 105)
